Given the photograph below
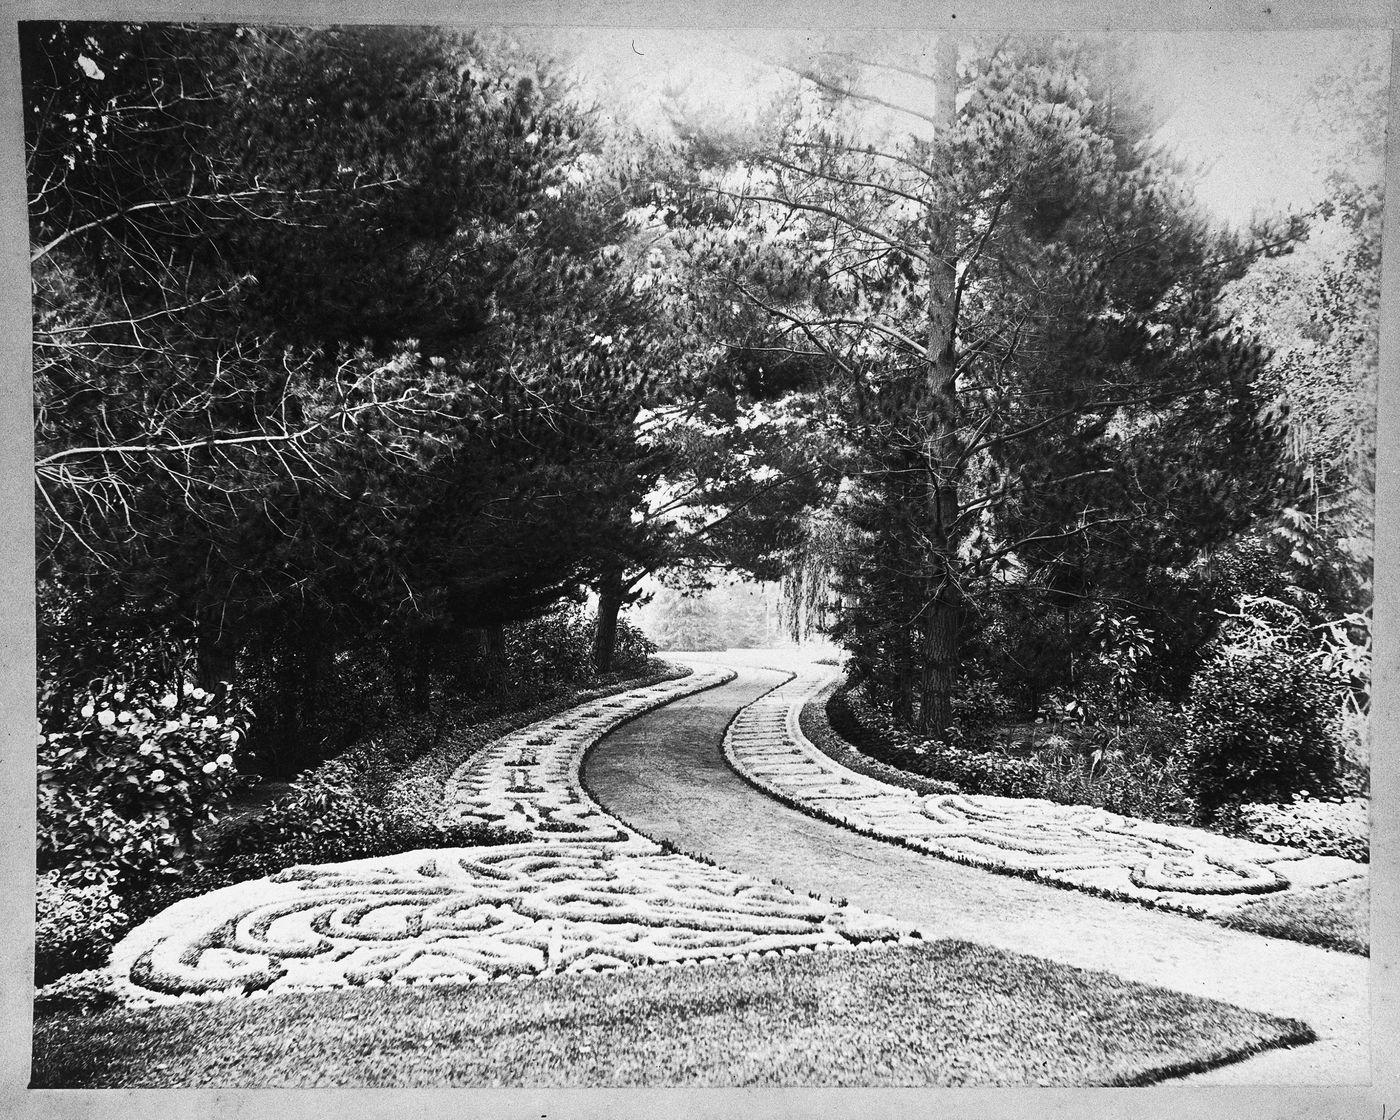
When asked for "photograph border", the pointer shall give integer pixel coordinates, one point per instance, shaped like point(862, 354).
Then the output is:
point(17, 701)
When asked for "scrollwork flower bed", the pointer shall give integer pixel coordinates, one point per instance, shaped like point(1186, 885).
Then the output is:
point(1090, 849)
point(586, 893)
point(468, 916)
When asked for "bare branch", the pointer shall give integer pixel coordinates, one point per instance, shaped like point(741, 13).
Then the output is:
point(826, 211)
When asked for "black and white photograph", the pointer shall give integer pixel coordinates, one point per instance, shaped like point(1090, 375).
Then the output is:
point(597, 556)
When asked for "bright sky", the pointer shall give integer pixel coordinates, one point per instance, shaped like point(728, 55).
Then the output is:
point(1229, 100)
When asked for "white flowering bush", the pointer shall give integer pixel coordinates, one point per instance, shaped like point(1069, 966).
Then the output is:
point(127, 776)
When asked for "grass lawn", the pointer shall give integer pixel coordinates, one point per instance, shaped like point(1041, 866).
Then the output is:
point(1337, 916)
point(944, 1014)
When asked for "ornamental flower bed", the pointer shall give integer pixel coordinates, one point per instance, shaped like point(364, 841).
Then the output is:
point(585, 893)
point(1184, 869)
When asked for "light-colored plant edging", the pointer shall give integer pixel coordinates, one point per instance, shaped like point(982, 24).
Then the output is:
point(586, 893)
point(1183, 869)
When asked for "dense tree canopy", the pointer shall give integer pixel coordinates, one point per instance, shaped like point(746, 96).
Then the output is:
point(332, 338)
point(354, 343)
point(1029, 384)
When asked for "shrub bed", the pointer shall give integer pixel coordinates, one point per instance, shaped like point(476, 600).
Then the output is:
point(1147, 777)
point(1138, 779)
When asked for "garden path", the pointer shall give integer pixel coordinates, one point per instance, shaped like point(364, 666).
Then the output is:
point(592, 887)
point(666, 775)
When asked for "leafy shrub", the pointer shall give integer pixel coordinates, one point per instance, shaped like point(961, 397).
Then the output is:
point(80, 993)
point(559, 644)
point(76, 925)
point(633, 648)
point(128, 775)
point(1123, 649)
point(981, 702)
point(1336, 827)
point(1263, 726)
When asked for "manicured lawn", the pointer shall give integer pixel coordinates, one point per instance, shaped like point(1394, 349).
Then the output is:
point(944, 1014)
point(1337, 916)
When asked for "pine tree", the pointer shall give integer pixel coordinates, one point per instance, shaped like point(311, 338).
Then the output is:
point(1018, 300)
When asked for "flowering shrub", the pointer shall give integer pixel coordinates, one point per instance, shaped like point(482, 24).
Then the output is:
point(74, 926)
point(1325, 827)
point(127, 776)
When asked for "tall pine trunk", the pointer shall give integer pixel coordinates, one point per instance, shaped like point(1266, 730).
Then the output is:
point(610, 595)
point(939, 621)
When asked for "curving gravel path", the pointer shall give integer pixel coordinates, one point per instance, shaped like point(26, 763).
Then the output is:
point(665, 774)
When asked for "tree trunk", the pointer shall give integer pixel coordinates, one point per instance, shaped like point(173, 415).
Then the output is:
point(216, 654)
point(605, 627)
point(939, 623)
point(495, 648)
